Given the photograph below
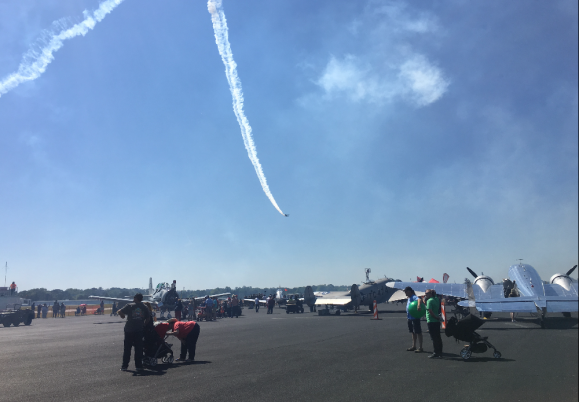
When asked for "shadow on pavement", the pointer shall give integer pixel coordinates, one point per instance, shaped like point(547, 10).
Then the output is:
point(110, 322)
point(474, 359)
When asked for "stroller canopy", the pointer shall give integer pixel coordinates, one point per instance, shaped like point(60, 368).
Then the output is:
point(464, 329)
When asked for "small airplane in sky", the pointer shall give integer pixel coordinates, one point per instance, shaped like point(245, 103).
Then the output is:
point(286, 215)
point(560, 295)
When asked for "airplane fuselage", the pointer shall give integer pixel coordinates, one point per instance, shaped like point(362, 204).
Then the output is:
point(528, 280)
point(375, 291)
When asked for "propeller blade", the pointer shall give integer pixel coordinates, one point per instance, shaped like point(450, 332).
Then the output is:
point(571, 270)
point(472, 272)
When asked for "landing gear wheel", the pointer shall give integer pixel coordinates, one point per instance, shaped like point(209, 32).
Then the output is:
point(16, 323)
point(465, 353)
point(6, 324)
point(337, 312)
point(497, 354)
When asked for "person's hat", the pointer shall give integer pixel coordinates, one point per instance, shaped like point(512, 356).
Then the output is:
point(408, 289)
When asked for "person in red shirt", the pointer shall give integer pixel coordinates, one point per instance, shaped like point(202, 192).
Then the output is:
point(187, 333)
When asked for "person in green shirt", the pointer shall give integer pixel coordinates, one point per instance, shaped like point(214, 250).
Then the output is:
point(433, 320)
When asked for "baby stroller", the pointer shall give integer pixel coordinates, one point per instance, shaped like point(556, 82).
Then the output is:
point(464, 330)
point(155, 347)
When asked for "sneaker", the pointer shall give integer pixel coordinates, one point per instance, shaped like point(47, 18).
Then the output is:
point(419, 350)
point(412, 349)
point(124, 368)
point(435, 356)
point(179, 360)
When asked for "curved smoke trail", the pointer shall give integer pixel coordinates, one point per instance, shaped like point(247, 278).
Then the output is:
point(35, 61)
point(222, 40)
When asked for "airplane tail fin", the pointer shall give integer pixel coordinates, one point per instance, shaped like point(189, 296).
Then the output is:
point(309, 297)
point(355, 296)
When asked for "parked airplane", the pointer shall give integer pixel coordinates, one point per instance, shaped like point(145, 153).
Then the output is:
point(164, 296)
point(281, 299)
point(559, 296)
point(363, 295)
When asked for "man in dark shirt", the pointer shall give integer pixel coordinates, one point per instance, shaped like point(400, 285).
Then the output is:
point(137, 313)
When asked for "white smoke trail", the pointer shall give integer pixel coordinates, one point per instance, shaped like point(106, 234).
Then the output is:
point(35, 61)
point(222, 40)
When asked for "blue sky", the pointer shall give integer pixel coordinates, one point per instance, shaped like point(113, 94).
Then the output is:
point(410, 138)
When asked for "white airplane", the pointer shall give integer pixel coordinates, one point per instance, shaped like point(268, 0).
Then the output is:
point(560, 295)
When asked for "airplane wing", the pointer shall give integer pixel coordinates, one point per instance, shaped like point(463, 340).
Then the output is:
point(334, 302)
point(332, 298)
point(217, 295)
point(447, 289)
point(400, 295)
point(253, 301)
point(120, 299)
point(525, 304)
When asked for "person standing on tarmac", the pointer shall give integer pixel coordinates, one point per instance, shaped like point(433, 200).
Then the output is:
point(208, 308)
point(270, 304)
point(256, 304)
point(235, 307)
point(413, 323)
point(187, 333)
point(433, 320)
point(178, 309)
point(137, 313)
point(55, 309)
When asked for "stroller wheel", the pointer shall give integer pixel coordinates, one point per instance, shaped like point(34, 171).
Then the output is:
point(497, 354)
point(169, 359)
point(152, 362)
point(465, 353)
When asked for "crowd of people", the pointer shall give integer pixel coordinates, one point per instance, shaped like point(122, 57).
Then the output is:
point(58, 310)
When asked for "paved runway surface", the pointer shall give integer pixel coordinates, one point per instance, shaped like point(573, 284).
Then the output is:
point(281, 357)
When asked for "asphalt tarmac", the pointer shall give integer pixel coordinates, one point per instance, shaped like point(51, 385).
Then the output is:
point(287, 357)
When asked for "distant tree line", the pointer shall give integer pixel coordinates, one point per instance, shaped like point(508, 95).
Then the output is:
point(80, 294)
point(76, 294)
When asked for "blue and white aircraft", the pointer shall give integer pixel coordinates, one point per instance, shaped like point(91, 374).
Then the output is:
point(560, 295)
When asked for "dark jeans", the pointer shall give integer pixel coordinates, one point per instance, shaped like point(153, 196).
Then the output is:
point(269, 309)
point(257, 307)
point(434, 331)
point(133, 339)
point(190, 343)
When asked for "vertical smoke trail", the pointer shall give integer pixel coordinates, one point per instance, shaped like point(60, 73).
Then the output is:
point(221, 38)
point(35, 61)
